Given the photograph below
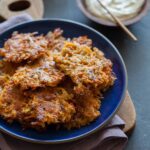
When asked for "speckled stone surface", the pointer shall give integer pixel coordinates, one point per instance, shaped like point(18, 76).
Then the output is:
point(136, 57)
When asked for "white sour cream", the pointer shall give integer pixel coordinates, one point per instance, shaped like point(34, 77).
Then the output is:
point(123, 9)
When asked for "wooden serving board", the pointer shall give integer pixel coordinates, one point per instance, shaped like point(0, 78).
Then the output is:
point(128, 114)
point(9, 8)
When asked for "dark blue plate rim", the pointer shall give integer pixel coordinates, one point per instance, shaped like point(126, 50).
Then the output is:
point(102, 124)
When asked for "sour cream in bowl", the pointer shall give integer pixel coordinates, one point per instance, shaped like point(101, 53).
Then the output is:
point(123, 9)
point(128, 11)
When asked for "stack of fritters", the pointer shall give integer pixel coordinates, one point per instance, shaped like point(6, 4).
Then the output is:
point(51, 80)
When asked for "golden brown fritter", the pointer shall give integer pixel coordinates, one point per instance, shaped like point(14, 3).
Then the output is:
point(86, 67)
point(35, 109)
point(87, 110)
point(48, 106)
point(56, 41)
point(24, 46)
point(12, 101)
point(40, 74)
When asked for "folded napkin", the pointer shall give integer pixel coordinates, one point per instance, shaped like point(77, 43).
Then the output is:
point(111, 137)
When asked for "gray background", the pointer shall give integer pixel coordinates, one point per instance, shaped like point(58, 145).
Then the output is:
point(137, 59)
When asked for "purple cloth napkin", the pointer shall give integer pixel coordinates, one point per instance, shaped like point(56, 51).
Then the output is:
point(111, 137)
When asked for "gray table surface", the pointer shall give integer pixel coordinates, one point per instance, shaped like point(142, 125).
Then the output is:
point(137, 59)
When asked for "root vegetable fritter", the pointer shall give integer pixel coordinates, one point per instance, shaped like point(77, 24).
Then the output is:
point(48, 106)
point(86, 67)
point(24, 46)
point(12, 101)
point(40, 74)
point(56, 40)
point(87, 110)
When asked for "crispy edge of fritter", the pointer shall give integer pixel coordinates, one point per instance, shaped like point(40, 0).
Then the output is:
point(83, 40)
point(81, 74)
point(49, 106)
point(30, 50)
point(42, 73)
point(87, 110)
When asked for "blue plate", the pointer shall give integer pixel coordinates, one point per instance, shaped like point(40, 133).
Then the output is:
point(112, 98)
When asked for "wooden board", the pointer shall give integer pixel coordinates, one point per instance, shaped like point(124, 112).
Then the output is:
point(9, 8)
point(128, 114)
